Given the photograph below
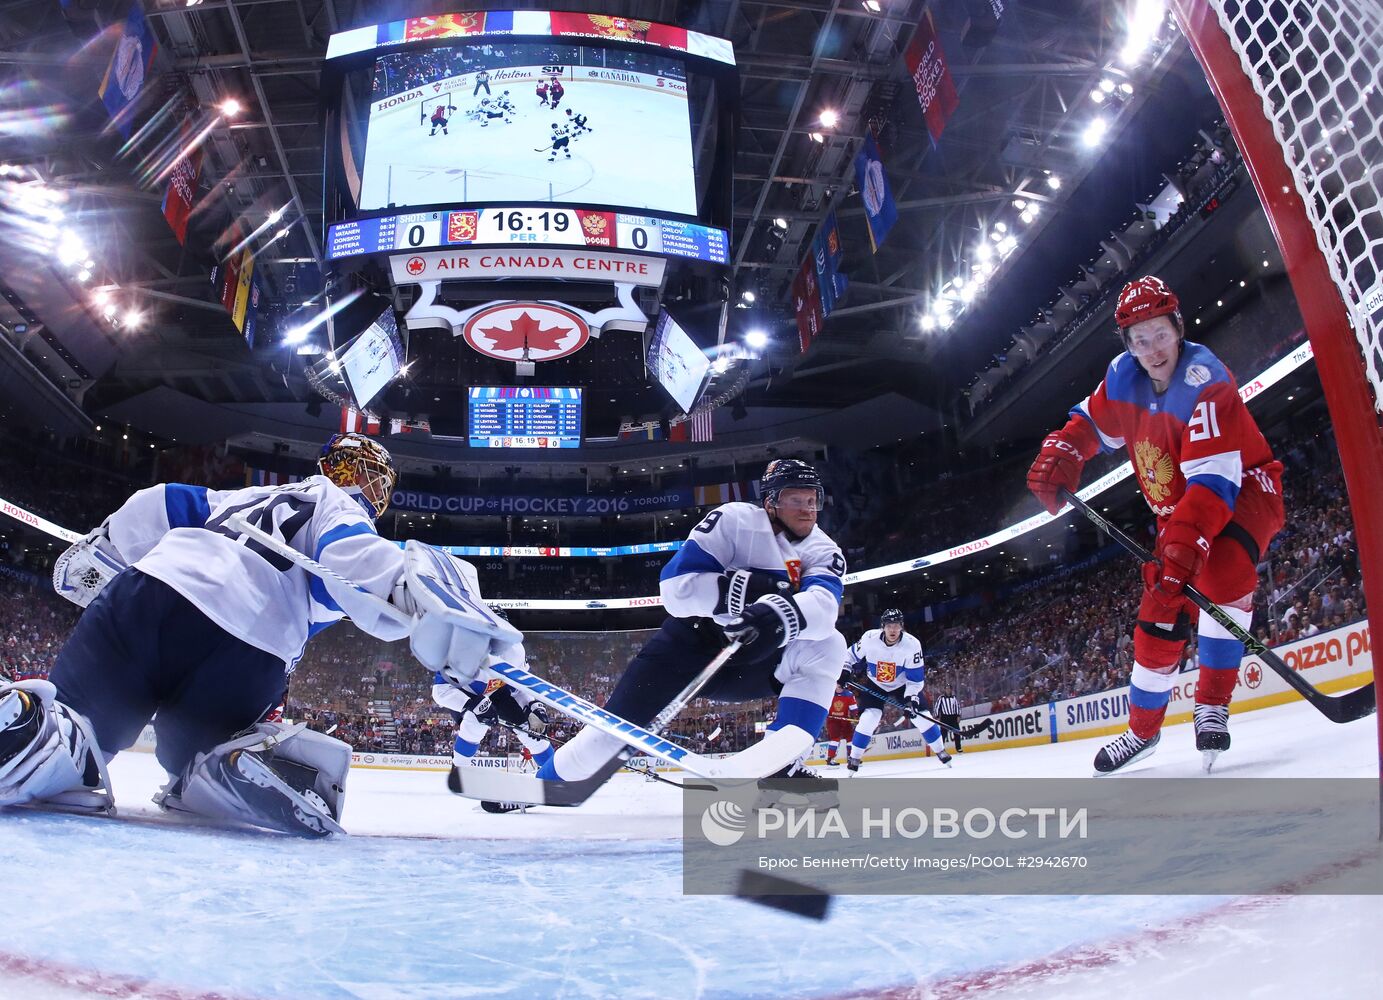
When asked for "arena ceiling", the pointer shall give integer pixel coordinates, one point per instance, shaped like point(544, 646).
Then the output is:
point(1022, 93)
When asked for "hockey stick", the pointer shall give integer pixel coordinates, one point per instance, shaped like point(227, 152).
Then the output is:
point(1337, 708)
point(485, 783)
point(883, 697)
point(550, 694)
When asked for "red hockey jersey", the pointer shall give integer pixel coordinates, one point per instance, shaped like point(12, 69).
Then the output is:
point(1196, 441)
point(843, 707)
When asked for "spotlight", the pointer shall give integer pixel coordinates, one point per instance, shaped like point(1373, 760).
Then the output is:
point(1053, 182)
point(830, 117)
point(748, 296)
point(780, 223)
point(927, 322)
point(757, 339)
point(1094, 133)
point(230, 107)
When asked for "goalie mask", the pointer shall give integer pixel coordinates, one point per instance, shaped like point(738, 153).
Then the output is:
point(362, 467)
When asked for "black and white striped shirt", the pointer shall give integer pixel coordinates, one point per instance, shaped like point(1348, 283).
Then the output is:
point(947, 705)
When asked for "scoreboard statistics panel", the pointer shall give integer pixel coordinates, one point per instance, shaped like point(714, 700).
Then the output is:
point(524, 417)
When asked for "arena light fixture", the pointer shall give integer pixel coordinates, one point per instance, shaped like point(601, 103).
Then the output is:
point(1026, 216)
point(1094, 132)
point(1097, 95)
point(230, 107)
point(1020, 203)
point(830, 117)
point(1054, 182)
point(780, 223)
point(816, 137)
point(873, 6)
point(1107, 85)
point(757, 339)
point(297, 334)
point(748, 296)
point(1126, 89)
point(927, 322)
point(133, 319)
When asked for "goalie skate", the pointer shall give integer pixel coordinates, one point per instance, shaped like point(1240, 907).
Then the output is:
point(1212, 733)
point(797, 786)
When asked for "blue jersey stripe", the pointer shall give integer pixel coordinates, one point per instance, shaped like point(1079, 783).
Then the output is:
point(799, 712)
point(186, 506)
point(832, 583)
point(690, 558)
point(1219, 485)
point(318, 590)
point(342, 531)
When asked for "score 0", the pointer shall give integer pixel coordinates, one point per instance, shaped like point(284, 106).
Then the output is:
point(418, 230)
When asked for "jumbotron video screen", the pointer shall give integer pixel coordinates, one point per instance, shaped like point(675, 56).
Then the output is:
point(529, 121)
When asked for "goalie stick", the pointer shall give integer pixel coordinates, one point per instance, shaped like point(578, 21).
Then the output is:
point(883, 697)
point(550, 694)
point(1337, 708)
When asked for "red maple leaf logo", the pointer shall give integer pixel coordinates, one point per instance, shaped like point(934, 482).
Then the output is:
point(525, 331)
point(1253, 676)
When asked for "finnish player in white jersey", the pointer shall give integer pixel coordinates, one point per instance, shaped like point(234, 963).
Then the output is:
point(888, 661)
point(767, 576)
point(191, 624)
point(484, 701)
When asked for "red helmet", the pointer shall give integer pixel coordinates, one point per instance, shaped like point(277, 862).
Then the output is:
point(1146, 298)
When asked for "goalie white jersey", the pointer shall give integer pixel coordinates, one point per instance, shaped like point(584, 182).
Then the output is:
point(740, 536)
point(892, 667)
point(180, 535)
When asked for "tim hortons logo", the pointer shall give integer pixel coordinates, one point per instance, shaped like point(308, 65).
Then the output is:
point(526, 331)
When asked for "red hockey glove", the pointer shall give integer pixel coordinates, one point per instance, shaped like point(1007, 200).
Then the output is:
point(1181, 554)
point(1057, 467)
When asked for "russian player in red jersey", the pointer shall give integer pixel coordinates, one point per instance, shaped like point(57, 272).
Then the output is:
point(1211, 479)
point(840, 724)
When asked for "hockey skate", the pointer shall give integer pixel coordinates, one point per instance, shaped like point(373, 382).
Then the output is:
point(1127, 749)
point(852, 764)
point(797, 786)
point(832, 762)
point(504, 807)
point(1212, 732)
point(943, 757)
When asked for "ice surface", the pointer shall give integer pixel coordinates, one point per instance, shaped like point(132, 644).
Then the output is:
point(434, 898)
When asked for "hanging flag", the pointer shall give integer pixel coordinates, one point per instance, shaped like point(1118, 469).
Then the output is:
point(931, 76)
point(649, 430)
point(880, 210)
point(679, 430)
point(182, 187)
point(701, 429)
point(353, 420)
point(398, 425)
point(129, 67)
point(819, 283)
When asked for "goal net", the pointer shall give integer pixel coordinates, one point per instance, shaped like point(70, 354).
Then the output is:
point(1299, 84)
point(1315, 65)
point(429, 104)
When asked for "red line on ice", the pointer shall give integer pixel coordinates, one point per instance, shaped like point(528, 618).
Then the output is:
point(97, 983)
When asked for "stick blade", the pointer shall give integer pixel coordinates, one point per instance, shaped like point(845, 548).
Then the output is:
point(1358, 704)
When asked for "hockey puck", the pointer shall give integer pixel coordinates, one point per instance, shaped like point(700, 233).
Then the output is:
point(783, 894)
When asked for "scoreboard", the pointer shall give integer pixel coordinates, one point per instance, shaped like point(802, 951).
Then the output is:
point(524, 417)
point(532, 225)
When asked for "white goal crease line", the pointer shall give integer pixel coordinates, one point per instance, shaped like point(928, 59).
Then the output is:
point(1250, 390)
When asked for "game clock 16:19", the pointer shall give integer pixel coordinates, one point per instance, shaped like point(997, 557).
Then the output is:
point(528, 221)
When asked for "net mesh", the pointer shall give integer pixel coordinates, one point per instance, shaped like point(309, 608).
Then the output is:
point(1316, 65)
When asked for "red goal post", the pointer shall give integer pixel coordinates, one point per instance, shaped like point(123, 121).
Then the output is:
point(1298, 82)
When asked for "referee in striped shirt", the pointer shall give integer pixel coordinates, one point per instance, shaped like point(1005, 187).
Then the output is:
point(948, 714)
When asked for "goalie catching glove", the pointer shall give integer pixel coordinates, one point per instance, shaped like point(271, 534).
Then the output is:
point(88, 564)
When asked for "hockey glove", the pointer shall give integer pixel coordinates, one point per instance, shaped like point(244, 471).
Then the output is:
point(742, 587)
point(537, 719)
point(768, 624)
point(913, 705)
point(1181, 554)
point(485, 712)
point(1059, 462)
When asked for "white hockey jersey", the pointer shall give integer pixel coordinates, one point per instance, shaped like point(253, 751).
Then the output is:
point(740, 536)
point(891, 667)
point(450, 692)
point(178, 534)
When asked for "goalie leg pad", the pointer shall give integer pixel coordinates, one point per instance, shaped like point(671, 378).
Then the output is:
point(283, 778)
point(48, 751)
